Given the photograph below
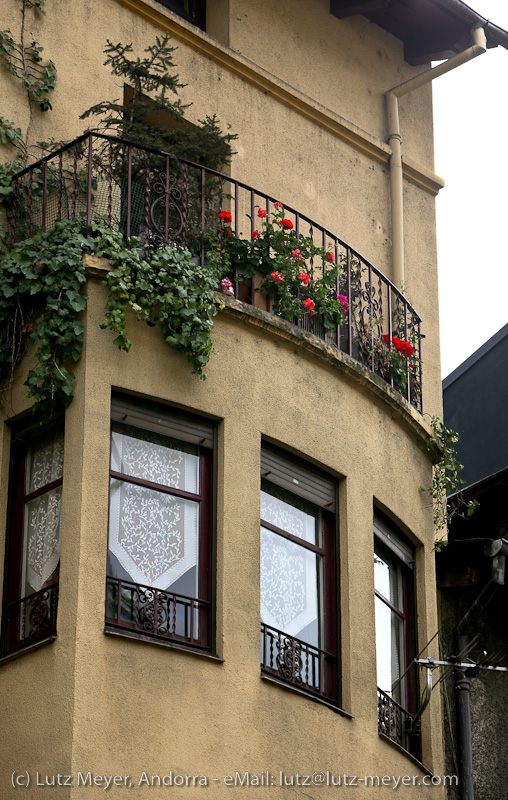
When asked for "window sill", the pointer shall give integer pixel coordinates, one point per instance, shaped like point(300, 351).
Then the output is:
point(409, 755)
point(28, 649)
point(124, 633)
point(308, 696)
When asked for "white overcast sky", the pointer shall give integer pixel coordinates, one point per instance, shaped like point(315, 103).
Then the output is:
point(471, 154)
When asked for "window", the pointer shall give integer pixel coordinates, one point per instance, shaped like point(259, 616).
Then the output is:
point(33, 538)
point(192, 10)
point(298, 575)
point(159, 581)
point(395, 635)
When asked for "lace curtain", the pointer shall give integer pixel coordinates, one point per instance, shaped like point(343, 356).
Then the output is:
point(43, 513)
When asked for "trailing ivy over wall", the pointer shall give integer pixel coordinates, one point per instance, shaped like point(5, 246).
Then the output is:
point(42, 294)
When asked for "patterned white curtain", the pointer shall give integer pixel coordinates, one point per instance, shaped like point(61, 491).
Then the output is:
point(42, 518)
point(153, 535)
point(289, 594)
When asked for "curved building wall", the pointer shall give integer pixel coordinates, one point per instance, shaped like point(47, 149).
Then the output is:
point(130, 707)
point(305, 94)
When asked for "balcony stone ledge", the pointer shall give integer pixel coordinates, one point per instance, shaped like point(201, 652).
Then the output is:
point(352, 369)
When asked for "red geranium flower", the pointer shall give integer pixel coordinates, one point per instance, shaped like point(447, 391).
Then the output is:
point(385, 338)
point(262, 212)
point(406, 348)
point(309, 304)
point(255, 235)
point(304, 278)
point(329, 257)
point(278, 204)
point(277, 277)
point(225, 216)
point(286, 224)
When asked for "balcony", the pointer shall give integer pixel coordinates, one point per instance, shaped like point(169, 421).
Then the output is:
point(157, 614)
point(397, 724)
point(31, 619)
point(164, 201)
point(298, 664)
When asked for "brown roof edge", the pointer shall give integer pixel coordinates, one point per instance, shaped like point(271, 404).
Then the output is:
point(467, 15)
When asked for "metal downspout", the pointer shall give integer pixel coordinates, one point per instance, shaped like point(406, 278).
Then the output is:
point(394, 140)
point(463, 689)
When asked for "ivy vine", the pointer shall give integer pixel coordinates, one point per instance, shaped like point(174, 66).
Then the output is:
point(42, 294)
point(161, 286)
point(447, 480)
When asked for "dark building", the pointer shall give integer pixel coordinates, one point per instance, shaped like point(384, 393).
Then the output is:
point(471, 572)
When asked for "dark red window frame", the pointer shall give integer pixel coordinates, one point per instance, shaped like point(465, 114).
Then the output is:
point(285, 658)
point(395, 720)
point(26, 619)
point(197, 18)
point(148, 606)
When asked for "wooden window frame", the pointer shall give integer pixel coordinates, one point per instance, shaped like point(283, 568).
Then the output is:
point(39, 608)
point(199, 17)
point(148, 415)
point(307, 482)
point(388, 540)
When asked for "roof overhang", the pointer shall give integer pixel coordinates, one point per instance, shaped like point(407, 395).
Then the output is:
point(432, 30)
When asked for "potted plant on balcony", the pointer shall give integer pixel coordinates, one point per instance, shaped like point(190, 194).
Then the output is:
point(298, 279)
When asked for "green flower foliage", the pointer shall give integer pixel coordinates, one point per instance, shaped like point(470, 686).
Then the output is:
point(42, 295)
point(447, 480)
point(301, 277)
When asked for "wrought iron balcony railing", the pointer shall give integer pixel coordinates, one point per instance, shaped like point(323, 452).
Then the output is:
point(298, 663)
point(164, 200)
point(158, 613)
point(396, 723)
point(31, 619)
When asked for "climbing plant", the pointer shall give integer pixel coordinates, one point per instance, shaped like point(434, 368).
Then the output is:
point(447, 480)
point(25, 63)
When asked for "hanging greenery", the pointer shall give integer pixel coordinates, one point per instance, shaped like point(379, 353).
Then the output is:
point(42, 294)
point(447, 480)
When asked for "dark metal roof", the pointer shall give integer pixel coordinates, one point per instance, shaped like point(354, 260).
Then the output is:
point(430, 29)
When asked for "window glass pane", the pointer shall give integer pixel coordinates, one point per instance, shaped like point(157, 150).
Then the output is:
point(154, 536)
point(288, 512)
point(289, 587)
point(155, 458)
point(45, 460)
point(388, 578)
point(187, 7)
point(389, 650)
point(41, 545)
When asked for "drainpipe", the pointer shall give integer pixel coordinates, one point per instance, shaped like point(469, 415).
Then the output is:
point(394, 140)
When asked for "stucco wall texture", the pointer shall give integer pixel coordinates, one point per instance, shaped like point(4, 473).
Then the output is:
point(304, 91)
point(292, 106)
point(95, 702)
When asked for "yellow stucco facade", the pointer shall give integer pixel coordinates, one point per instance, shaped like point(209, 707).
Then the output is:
point(304, 91)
